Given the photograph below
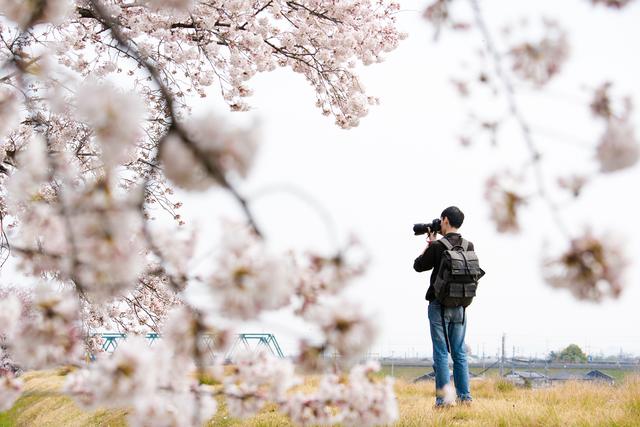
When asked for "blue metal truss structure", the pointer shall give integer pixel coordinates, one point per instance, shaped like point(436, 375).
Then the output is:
point(111, 339)
point(263, 341)
point(248, 342)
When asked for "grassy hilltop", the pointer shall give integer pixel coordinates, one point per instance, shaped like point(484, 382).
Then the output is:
point(497, 403)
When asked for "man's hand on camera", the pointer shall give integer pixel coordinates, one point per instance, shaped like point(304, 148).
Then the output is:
point(432, 236)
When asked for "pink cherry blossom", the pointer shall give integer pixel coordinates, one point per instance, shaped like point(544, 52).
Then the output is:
point(229, 150)
point(616, 4)
point(50, 336)
point(363, 400)
point(97, 130)
point(591, 268)
point(504, 195)
point(247, 278)
point(30, 12)
point(257, 378)
point(348, 330)
point(618, 147)
point(10, 390)
point(116, 128)
point(540, 60)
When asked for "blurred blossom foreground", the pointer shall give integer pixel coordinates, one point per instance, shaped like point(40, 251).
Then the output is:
point(96, 132)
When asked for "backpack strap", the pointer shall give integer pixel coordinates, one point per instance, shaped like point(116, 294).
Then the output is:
point(446, 243)
point(465, 245)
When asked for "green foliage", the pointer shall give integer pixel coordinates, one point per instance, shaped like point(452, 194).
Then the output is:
point(208, 379)
point(572, 354)
point(504, 386)
point(6, 420)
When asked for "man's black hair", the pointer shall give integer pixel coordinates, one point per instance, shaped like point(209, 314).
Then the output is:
point(455, 215)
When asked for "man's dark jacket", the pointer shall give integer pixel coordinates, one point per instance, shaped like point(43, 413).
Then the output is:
point(431, 259)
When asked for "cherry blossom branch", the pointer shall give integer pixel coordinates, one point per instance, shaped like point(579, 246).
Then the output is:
point(33, 252)
point(4, 241)
point(21, 69)
point(294, 5)
point(27, 64)
point(175, 125)
point(518, 116)
point(108, 238)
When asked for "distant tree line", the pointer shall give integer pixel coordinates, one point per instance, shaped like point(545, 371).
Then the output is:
point(572, 353)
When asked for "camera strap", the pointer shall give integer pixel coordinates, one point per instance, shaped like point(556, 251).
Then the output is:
point(444, 329)
point(444, 325)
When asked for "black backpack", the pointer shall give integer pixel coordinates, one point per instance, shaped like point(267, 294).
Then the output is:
point(457, 280)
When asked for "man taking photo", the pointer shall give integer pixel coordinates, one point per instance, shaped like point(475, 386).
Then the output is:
point(447, 324)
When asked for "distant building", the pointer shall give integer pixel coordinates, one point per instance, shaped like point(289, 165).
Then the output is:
point(431, 376)
point(528, 378)
point(596, 375)
point(536, 379)
point(565, 376)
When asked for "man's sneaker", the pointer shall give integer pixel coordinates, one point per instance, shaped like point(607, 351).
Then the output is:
point(439, 406)
point(465, 402)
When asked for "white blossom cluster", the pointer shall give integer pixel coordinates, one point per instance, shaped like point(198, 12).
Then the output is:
point(591, 268)
point(36, 11)
point(10, 312)
point(138, 311)
point(156, 386)
point(110, 251)
point(171, 5)
point(230, 151)
point(10, 390)
point(96, 127)
point(574, 183)
point(503, 192)
point(248, 279)
point(97, 247)
point(203, 43)
point(257, 378)
point(363, 400)
point(15, 306)
point(330, 275)
point(371, 400)
point(114, 117)
point(438, 14)
point(447, 393)
point(48, 335)
point(9, 114)
point(615, 4)
point(540, 60)
point(618, 147)
point(348, 330)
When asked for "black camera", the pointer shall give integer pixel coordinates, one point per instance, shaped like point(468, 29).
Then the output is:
point(433, 227)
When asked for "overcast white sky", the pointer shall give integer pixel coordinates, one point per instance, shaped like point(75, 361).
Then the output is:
point(396, 169)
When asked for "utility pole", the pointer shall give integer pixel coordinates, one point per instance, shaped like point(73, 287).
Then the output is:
point(502, 357)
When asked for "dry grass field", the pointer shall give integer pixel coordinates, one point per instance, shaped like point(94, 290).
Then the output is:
point(497, 403)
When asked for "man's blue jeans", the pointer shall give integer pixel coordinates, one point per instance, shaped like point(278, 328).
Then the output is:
point(453, 318)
